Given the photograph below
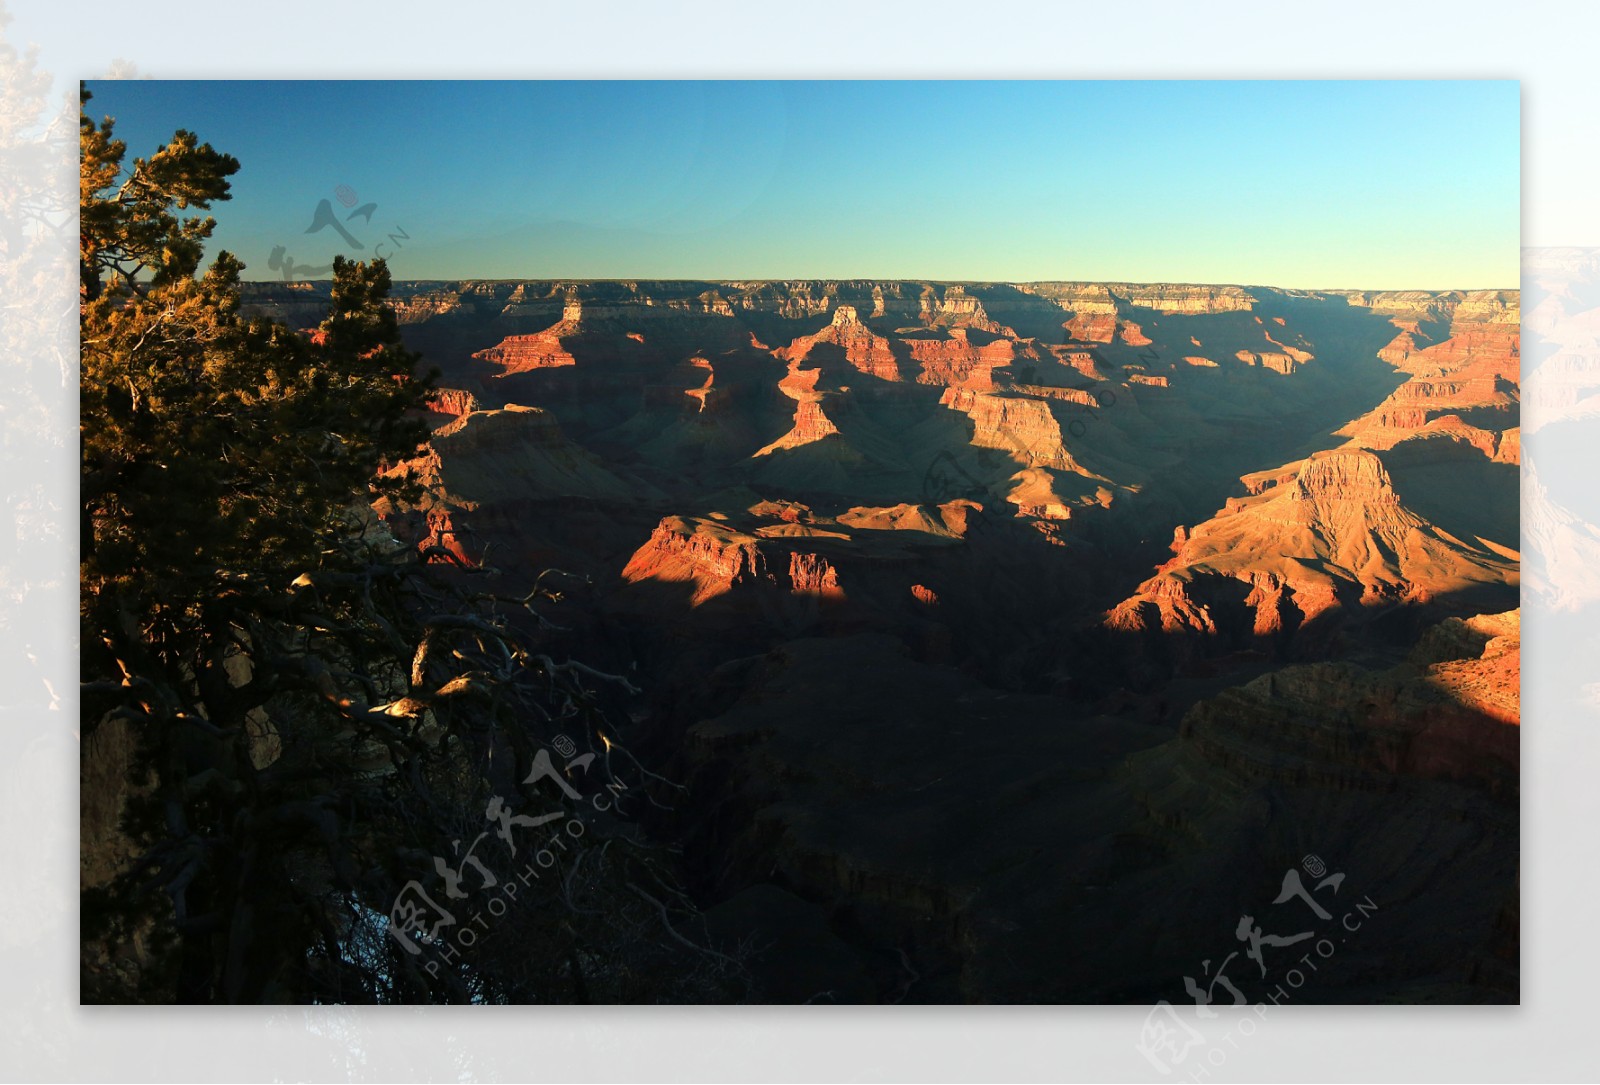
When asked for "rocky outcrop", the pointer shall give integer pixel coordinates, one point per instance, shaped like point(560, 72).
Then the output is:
point(1081, 397)
point(1473, 374)
point(453, 402)
point(1092, 327)
point(1017, 424)
point(1133, 335)
point(1334, 536)
point(702, 395)
point(1101, 298)
point(957, 309)
point(1276, 362)
point(1508, 449)
point(1411, 305)
point(1188, 300)
point(956, 361)
point(1093, 310)
point(521, 353)
point(863, 350)
point(811, 424)
point(713, 558)
point(811, 574)
point(1449, 713)
point(1490, 307)
point(1035, 495)
point(948, 520)
point(1085, 361)
point(416, 308)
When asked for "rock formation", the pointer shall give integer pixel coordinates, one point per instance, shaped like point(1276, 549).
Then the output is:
point(520, 353)
point(1336, 535)
point(864, 351)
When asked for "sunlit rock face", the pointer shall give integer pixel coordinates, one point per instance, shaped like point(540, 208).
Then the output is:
point(864, 351)
point(981, 617)
point(520, 353)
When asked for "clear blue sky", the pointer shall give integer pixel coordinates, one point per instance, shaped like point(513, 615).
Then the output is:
point(1318, 184)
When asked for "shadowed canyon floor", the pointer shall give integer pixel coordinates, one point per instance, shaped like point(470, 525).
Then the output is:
point(1012, 641)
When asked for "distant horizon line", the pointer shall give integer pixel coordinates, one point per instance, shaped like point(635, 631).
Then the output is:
point(730, 281)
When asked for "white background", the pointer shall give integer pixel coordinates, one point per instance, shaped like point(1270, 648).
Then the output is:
point(44, 1035)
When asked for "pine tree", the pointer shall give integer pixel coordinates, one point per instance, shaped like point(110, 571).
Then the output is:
point(222, 459)
point(299, 712)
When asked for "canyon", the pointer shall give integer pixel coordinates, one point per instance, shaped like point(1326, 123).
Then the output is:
point(1011, 640)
